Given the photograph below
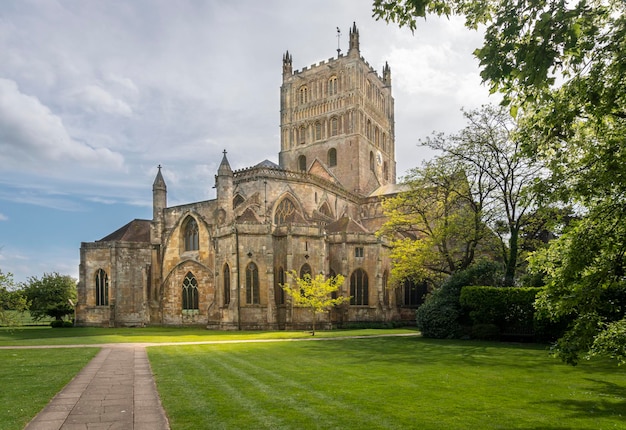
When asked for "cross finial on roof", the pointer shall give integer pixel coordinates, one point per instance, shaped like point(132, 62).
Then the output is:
point(224, 152)
point(159, 167)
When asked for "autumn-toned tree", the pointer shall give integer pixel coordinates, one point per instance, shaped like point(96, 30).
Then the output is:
point(314, 293)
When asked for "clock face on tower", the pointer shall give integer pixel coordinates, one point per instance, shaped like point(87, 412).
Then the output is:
point(379, 158)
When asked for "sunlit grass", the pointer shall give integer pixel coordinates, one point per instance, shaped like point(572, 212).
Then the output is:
point(382, 383)
point(96, 335)
point(31, 377)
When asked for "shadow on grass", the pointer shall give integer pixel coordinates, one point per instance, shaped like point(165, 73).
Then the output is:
point(609, 400)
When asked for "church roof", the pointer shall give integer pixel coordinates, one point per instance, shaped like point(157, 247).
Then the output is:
point(345, 225)
point(137, 230)
point(388, 189)
point(224, 168)
point(268, 163)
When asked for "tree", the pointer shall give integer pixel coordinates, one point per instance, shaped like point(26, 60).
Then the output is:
point(314, 293)
point(10, 299)
point(561, 66)
point(436, 224)
point(52, 296)
point(499, 173)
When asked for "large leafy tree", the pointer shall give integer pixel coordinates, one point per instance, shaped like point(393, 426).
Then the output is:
point(51, 296)
point(561, 66)
point(436, 225)
point(500, 175)
point(314, 293)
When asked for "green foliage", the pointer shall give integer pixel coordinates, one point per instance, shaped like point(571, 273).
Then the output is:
point(499, 174)
point(441, 316)
point(435, 226)
point(561, 67)
point(585, 282)
point(52, 295)
point(61, 324)
point(315, 293)
point(500, 306)
point(10, 300)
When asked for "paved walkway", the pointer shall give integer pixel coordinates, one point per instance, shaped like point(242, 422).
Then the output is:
point(115, 391)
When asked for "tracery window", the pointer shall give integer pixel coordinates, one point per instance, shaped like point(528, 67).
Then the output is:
point(386, 171)
point(371, 161)
point(302, 163)
point(279, 281)
point(226, 284)
point(304, 94)
point(332, 157)
point(413, 294)
point(191, 235)
point(190, 293)
point(102, 288)
point(332, 86)
point(325, 209)
point(359, 291)
point(252, 284)
point(285, 212)
point(318, 130)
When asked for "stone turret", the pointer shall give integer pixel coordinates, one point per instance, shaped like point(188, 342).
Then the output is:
point(224, 189)
point(287, 65)
point(387, 75)
point(353, 48)
point(159, 196)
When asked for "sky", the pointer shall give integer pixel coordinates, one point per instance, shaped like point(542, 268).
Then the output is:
point(94, 95)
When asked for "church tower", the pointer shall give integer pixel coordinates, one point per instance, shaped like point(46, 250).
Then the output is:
point(339, 112)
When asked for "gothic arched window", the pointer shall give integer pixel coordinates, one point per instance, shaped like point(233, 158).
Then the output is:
point(252, 284)
point(226, 284)
point(318, 130)
point(102, 288)
point(332, 157)
point(413, 294)
point(190, 293)
point(304, 94)
point(371, 161)
point(385, 171)
point(332, 86)
point(237, 200)
point(285, 212)
point(305, 270)
point(302, 163)
point(359, 291)
point(334, 126)
point(191, 235)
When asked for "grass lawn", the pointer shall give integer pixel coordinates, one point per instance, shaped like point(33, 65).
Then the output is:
point(377, 383)
point(25, 336)
point(31, 377)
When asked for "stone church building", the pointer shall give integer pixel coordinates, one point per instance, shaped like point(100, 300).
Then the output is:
point(220, 263)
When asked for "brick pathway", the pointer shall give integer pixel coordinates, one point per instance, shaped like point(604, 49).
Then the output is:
point(114, 391)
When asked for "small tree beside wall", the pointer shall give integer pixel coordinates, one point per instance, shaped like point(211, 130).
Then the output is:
point(314, 293)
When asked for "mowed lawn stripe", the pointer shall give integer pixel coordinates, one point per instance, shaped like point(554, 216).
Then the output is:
point(214, 387)
point(309, 399)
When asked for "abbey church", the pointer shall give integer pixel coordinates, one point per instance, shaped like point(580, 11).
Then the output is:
point(221, 263)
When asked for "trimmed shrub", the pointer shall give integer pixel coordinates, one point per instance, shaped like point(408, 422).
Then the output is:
point(441, 315)
point(486, 332)
point(61, 324)
point(510, 309)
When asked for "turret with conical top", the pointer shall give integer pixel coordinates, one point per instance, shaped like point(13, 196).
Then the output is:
point(224, 188)
point(159, 195)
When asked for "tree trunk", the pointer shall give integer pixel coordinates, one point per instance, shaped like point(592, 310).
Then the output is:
point(509, 275)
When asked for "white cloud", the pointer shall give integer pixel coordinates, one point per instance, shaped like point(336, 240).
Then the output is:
point(99, 100)
point(31, 135)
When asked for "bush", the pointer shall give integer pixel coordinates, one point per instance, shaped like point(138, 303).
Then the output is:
point(510, 309)
point(441, 316)
point(61, 324)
